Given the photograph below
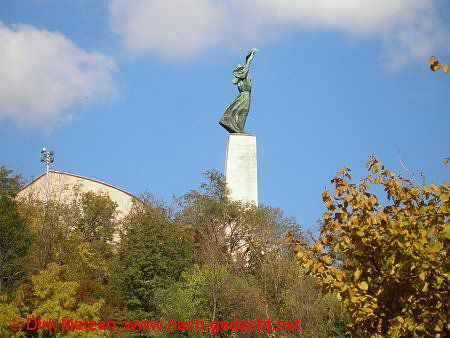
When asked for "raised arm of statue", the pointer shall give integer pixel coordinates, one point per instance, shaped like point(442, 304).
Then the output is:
point(241, 71)
point(249, 57)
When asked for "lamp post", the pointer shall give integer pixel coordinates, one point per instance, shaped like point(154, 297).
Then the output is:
point(47, 157)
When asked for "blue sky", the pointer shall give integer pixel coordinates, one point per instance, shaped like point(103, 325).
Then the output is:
point(130, 92)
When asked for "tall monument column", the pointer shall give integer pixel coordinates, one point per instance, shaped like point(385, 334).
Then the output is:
point(241, 173)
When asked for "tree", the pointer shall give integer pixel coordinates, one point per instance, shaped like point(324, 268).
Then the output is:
point(214, 293)
point(14, 236)
point(49, 295)
point(152, 254)
point(321, 315)
point(241, 252)
point(78, 235)
point(92, 243)
point(206, 257)
point(389, 265)
point(97, 217)
point(9, 183)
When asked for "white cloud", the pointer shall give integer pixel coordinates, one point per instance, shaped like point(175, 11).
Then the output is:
point(184, 29)
point(43, 73)
point(168, 27)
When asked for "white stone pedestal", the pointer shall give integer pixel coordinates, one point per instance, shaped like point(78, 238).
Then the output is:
point(241, 172)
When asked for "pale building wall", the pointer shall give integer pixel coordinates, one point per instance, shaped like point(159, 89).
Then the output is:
point(65, 187)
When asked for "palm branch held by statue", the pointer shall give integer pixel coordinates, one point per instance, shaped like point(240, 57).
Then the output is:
point(235, 115)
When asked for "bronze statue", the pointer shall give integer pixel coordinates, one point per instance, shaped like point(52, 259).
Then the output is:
point(233, 119)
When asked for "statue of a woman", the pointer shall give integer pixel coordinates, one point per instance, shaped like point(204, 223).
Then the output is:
point(233, 119)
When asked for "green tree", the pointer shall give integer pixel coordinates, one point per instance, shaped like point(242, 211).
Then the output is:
point(152, 254)
point(97, 217)
point(10, 183)
point(220, 250)
point(14, 235)
point(296, 295)
point(213, 293)
point(92, 255)
point(241, 251)
point(388, 264)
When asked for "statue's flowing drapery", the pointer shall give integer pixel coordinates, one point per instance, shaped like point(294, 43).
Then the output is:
point(234, 117)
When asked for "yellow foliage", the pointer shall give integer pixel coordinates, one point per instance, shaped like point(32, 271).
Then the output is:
point(8, 311)
point(51, 297)
point(89, 259)
point(392, 272)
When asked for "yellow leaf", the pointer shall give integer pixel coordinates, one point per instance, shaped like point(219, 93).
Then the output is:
point(445, 197)
point(438, 327)
point(375, 168)
point(326, 260)
point(367, 310)
point(420, 328)
point(363, 286)
point(356, 275)
point(434, 64)
point(423, 233)
point(348, 198)
point(447, 231)
point(422, 275)
point(446, 68)
point(317, 246)
point(432, 60)
point(435, 188)
point(437, 246)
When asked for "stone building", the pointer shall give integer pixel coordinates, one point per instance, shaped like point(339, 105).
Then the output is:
point(65, 187)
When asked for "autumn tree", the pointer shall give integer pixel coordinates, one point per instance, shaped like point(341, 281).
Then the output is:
point(14, 235)
point(97, 218)
point(48, 294)
point(244, 267)
point(212, 292)
point(389, 264)
point(152, 254)
point(296, 295)
point(202, 256)
point(78, 235)
point(9, 182)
